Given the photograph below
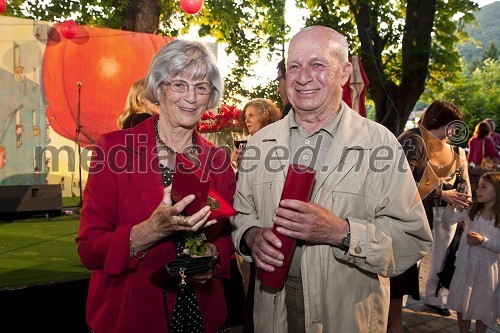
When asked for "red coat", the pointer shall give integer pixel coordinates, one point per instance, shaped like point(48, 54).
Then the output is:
point(121, 296)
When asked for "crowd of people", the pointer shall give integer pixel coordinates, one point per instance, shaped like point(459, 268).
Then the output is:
point(374, 211)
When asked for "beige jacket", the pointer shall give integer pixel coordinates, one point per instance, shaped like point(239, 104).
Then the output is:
point(365, 179)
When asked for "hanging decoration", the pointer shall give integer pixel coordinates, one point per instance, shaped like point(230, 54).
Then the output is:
point(35, 123)
point(3, 6)
point(36, 29)
point(191, 6)
point(69, 29)
point(18, 69)
point(47, 130)
point(19, 129)
point(34, 80)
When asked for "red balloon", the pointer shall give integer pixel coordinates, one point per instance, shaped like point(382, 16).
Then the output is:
point(191, 6)
point(110, 60)
point(3, 6)
point(69, 29)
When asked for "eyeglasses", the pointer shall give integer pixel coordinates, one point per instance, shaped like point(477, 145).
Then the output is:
point(180, 86)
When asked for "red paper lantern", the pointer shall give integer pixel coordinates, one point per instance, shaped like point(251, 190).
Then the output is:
point(69, 29)
point(3, 6)
point(107, 65)
point(191, 6)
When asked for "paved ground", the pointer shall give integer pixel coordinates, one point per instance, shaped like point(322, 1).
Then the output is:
point(418, 317)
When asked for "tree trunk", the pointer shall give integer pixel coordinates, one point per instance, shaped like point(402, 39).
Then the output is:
point(141, 16)
point(394, 103)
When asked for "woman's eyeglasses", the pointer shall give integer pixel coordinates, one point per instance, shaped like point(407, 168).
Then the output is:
point(179, 86)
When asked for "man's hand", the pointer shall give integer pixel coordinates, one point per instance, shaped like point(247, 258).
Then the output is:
point(309, 222)
point(264, 245)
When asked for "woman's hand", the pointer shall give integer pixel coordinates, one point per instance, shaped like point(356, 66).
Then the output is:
point(474, 239)
point(205, 276)
point(167, 219)
point(456, 199)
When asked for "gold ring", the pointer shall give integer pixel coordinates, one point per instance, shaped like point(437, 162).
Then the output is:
point(183, 220)
point(179, 220)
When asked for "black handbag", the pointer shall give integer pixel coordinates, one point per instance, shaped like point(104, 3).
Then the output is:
point(186, 266)
point(446, 275)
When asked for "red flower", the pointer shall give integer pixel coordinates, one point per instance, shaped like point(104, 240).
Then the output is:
point(208, 115)
point(227, 118)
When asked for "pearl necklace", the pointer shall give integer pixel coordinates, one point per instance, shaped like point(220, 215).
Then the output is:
point(169, 149)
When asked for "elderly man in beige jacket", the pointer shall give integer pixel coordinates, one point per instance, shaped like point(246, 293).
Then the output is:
point(361, 225)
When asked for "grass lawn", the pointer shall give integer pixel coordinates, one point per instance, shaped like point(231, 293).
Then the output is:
point(39, 251)
point(70, 201)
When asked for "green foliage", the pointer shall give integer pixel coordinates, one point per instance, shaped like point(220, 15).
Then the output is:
point(246, 29)
point(482, 32)
point(445, 59)
point(377, 30)
point(370, 112)
point(91, 12)
point(491, 52)
point(195, 244)
point(476, 93)
point(251, 29)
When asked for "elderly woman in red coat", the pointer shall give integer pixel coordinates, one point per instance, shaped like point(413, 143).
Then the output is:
point(130, 228)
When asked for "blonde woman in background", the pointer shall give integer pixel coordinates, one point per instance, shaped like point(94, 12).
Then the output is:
point(137, 108)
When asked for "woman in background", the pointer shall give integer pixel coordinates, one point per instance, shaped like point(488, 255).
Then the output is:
point(432, 161)
point(137, 107)
point(257, 113)
point(481, 145)
point(493, 135)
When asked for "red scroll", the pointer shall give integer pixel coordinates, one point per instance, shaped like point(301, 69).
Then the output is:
point(190, 179)
point(298, 185)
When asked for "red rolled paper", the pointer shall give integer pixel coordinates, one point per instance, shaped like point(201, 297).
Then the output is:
point(190, 179)
point(298, 185)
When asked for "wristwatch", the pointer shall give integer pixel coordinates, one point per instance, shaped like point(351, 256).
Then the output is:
point(346, 240)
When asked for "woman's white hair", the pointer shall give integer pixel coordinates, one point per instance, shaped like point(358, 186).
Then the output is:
point(184, 58)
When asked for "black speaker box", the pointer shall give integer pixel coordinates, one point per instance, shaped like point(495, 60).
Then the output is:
point(30, 200)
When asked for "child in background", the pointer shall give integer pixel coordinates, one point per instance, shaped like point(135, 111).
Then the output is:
point(474, 292)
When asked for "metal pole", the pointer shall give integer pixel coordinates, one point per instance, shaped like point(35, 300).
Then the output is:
point(78, 130)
